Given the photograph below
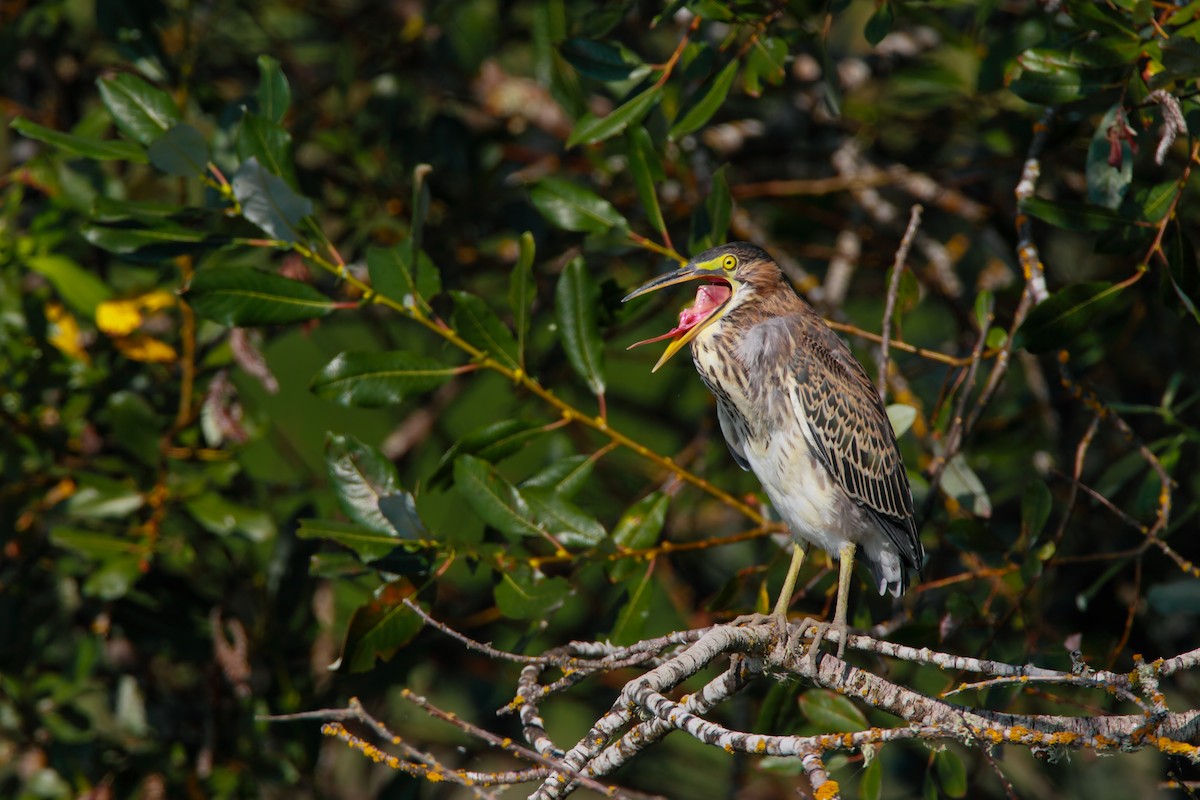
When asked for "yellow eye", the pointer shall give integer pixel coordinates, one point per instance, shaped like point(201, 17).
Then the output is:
point(729, 262)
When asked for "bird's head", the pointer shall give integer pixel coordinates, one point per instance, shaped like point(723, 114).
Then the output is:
point(731, 273)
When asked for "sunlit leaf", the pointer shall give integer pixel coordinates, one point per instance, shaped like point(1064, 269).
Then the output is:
point(360, 475)
point(638, 528)
point(274, 95)
point(268, 201)
point(394, 275)
point(222, 516)
point(379, 628)
point(960, 482)
point(902, 418)
point(574, 208)
point(570, 525)
point(79, 289)
point(156, 241)
point(1051, 77)
point(576, 298)
point(832, 712)
point(591, 129)
point(140, 111)
point(635, 611)
point(376, 380)
point(367, 543)
point(180, 151)
point(244, 297)
point(86, 147)
point(707, 101)
point(495, 500)
point(476, 323)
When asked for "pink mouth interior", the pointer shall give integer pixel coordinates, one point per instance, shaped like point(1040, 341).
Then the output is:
point(709, 297)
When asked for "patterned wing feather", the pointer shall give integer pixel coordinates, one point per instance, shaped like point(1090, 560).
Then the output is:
point(852, 435)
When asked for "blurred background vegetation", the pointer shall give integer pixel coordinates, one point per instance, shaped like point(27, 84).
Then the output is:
point(209, 513)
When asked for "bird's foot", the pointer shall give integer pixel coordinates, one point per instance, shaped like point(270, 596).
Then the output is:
point(778, 619)
point(822, 630)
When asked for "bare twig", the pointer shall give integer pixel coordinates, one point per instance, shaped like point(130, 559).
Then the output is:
point(914, 222)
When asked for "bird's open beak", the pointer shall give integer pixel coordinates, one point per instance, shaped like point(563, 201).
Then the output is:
point(709, 301)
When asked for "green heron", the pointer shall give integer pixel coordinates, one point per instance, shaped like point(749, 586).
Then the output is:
point(798, 409)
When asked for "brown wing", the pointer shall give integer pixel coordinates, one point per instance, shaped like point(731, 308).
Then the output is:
point(850, 433)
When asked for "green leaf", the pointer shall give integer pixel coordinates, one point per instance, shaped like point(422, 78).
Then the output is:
point(1073, 216)
point(136, 426)
point(902, 417)
point(400, 509)
point(361, 475)
point(960, 482)
point(647, 171)
point(566, 475)
point(870, 787)
point(392, 275)
point(94, 544)
point(100, 497)
point(160, 239)
point(368, 544)
point(719, 205)
point(1183, 271)
point(574, 208)
point(180, 151)
point(591, 129)
point(951, 773)
point(1065, 315)
point(495, 500)
point(577, 296)
point(87, 147)
point(223, 516)
point(268, 202)
point(244, 297)
point(269, 144)
point(1153, 202)
point(274, 95)
point(638, 528)
point(80, 290)
point(1107, 184)
point(562, 519)
point(521, 292)
point(880, 23)
point(1036, 504)
point(631, 623)
point(1051, 77)
point(603, 61)
point(478, 324)
point(707, 101)
point(766, 61)
point(377, 380)
point(523, 593)
point(140, 111)
point(492, 442)
point(832, 712)
point(379, 628)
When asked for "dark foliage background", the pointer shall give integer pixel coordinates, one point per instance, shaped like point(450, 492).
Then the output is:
point(191, 483)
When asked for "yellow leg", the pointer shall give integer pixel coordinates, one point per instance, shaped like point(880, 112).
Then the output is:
point(789, 583)
point(845, 577)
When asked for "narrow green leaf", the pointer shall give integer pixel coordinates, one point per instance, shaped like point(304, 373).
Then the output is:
point(140, 111)
point(591, 129)
point(951, 773)
point(222, 516)
point(84, 146)
point(180, 151)
point(880, 23)
point(160, 239)
point(377, 380)
point(521, 292)
point(493, 442)
point(1065, 315)
point(708, 100)
point(495, 500)
point(268, 202)
point(1072, 216)
point(106, 209)
point(274, 94)
point(1036, 503)
point(523, 593)
point(570, 525)
point(574, 208)
point(379, 628)
point(631, 623)
point(367, 543)
point(478, 324)
point(719, 205)
point(566, 475)
point(647, 172)
point(1183, 271)
point(243, 297)
point(101, 497)
point(871, 785)
point(638, 528)
point(1051, 77)
point(601, 60)
point(95, 544)
point(80, 290)
point(360, 475)
point(265, 140)
point(576, 298)
point(1107, 183)
point(832, 712)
